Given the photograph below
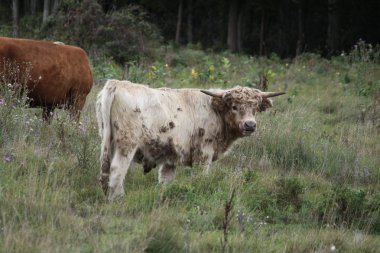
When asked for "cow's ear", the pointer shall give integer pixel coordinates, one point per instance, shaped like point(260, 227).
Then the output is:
point(265, 104)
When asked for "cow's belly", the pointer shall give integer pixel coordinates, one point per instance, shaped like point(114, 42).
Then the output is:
point(157, 152)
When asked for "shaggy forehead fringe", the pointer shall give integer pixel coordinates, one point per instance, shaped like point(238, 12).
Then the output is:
point(242, 95)
point(238, 94)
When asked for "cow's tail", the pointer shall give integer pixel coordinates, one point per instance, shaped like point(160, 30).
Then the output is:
point(103, 115)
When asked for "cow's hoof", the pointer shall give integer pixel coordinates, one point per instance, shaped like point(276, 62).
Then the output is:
point(114, 193)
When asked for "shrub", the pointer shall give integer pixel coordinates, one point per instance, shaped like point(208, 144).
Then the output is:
point(13, 95)
point(129, 36)
point(351, 207)
point(76, 23)
point(364, 52)
point(124, 35)
point(289, 192)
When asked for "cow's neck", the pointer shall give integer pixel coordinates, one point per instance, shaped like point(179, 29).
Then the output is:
point(226, 137)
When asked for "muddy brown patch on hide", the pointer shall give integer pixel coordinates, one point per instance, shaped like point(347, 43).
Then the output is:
point(163, 129)
point(147, 164)
point(171, 124)
point(204, 159)
point(105, 161)
point(105, 170)
point(125, 141)
point(196, 152)
point(179, 109)
point(139, 156)
point(201, 132)
point(159, 149)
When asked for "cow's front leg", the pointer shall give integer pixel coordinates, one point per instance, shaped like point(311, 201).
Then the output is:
point(207, 160)
point(119, 168)
point(166, 173)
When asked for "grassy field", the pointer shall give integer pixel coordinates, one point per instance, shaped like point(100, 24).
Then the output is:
point(307, 181)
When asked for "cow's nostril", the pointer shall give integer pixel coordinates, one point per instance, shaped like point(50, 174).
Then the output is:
point(250, 126)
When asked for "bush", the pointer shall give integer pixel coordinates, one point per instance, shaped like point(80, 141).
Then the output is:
point(124, 35)
point(129, 36)
point(289, 192)
point(76, 23)
point(13, 95)
point(364, 52)
point(351, 207)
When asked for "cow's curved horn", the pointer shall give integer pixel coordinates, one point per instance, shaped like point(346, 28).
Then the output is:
point(271, 94)
point(214, 93)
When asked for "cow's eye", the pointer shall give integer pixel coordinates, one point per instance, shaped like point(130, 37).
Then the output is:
point(234, 108)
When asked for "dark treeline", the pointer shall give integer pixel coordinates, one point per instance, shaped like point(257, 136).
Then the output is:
point(261, 27)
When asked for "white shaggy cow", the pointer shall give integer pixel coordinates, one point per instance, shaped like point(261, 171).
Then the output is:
point(169, 127)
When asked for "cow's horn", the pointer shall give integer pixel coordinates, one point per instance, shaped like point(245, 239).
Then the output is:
point(214, 93)
point(271, 94)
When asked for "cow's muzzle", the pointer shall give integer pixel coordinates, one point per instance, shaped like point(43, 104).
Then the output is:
point(250, 126)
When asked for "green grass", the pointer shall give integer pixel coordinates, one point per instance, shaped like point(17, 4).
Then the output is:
point(308, 180)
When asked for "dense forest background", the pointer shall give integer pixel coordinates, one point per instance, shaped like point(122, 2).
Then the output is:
point(127, 29)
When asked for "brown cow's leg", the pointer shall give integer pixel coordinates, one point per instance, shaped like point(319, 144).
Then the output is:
point(47, 113)
point(76, 106)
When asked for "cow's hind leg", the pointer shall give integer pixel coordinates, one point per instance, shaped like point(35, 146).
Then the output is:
point(166, 173)
point(119, 167)
point(75, 106)
point(47, 113)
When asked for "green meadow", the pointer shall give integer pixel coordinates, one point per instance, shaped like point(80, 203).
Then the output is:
point(307, 181)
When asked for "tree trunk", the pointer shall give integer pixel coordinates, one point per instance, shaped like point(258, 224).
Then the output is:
point(301, 36)
point(56, 4)
point(282, 43)
point(262, 27)
point(26, 7)
point(232, 26)
point(179, 21)
point(46, 10)
point(33, 7)
point(15, 14)
point(190, 21)
point(332, 27)
point(240, 26)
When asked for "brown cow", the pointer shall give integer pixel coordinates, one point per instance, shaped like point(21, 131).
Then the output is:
point(60, 75)
point(170, 127)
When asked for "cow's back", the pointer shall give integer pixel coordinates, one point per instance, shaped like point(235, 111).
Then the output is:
point(57, 71)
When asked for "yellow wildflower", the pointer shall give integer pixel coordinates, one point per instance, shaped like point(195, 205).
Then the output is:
point(194, 73)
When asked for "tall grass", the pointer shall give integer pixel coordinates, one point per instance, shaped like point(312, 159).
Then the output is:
point(307, 181)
